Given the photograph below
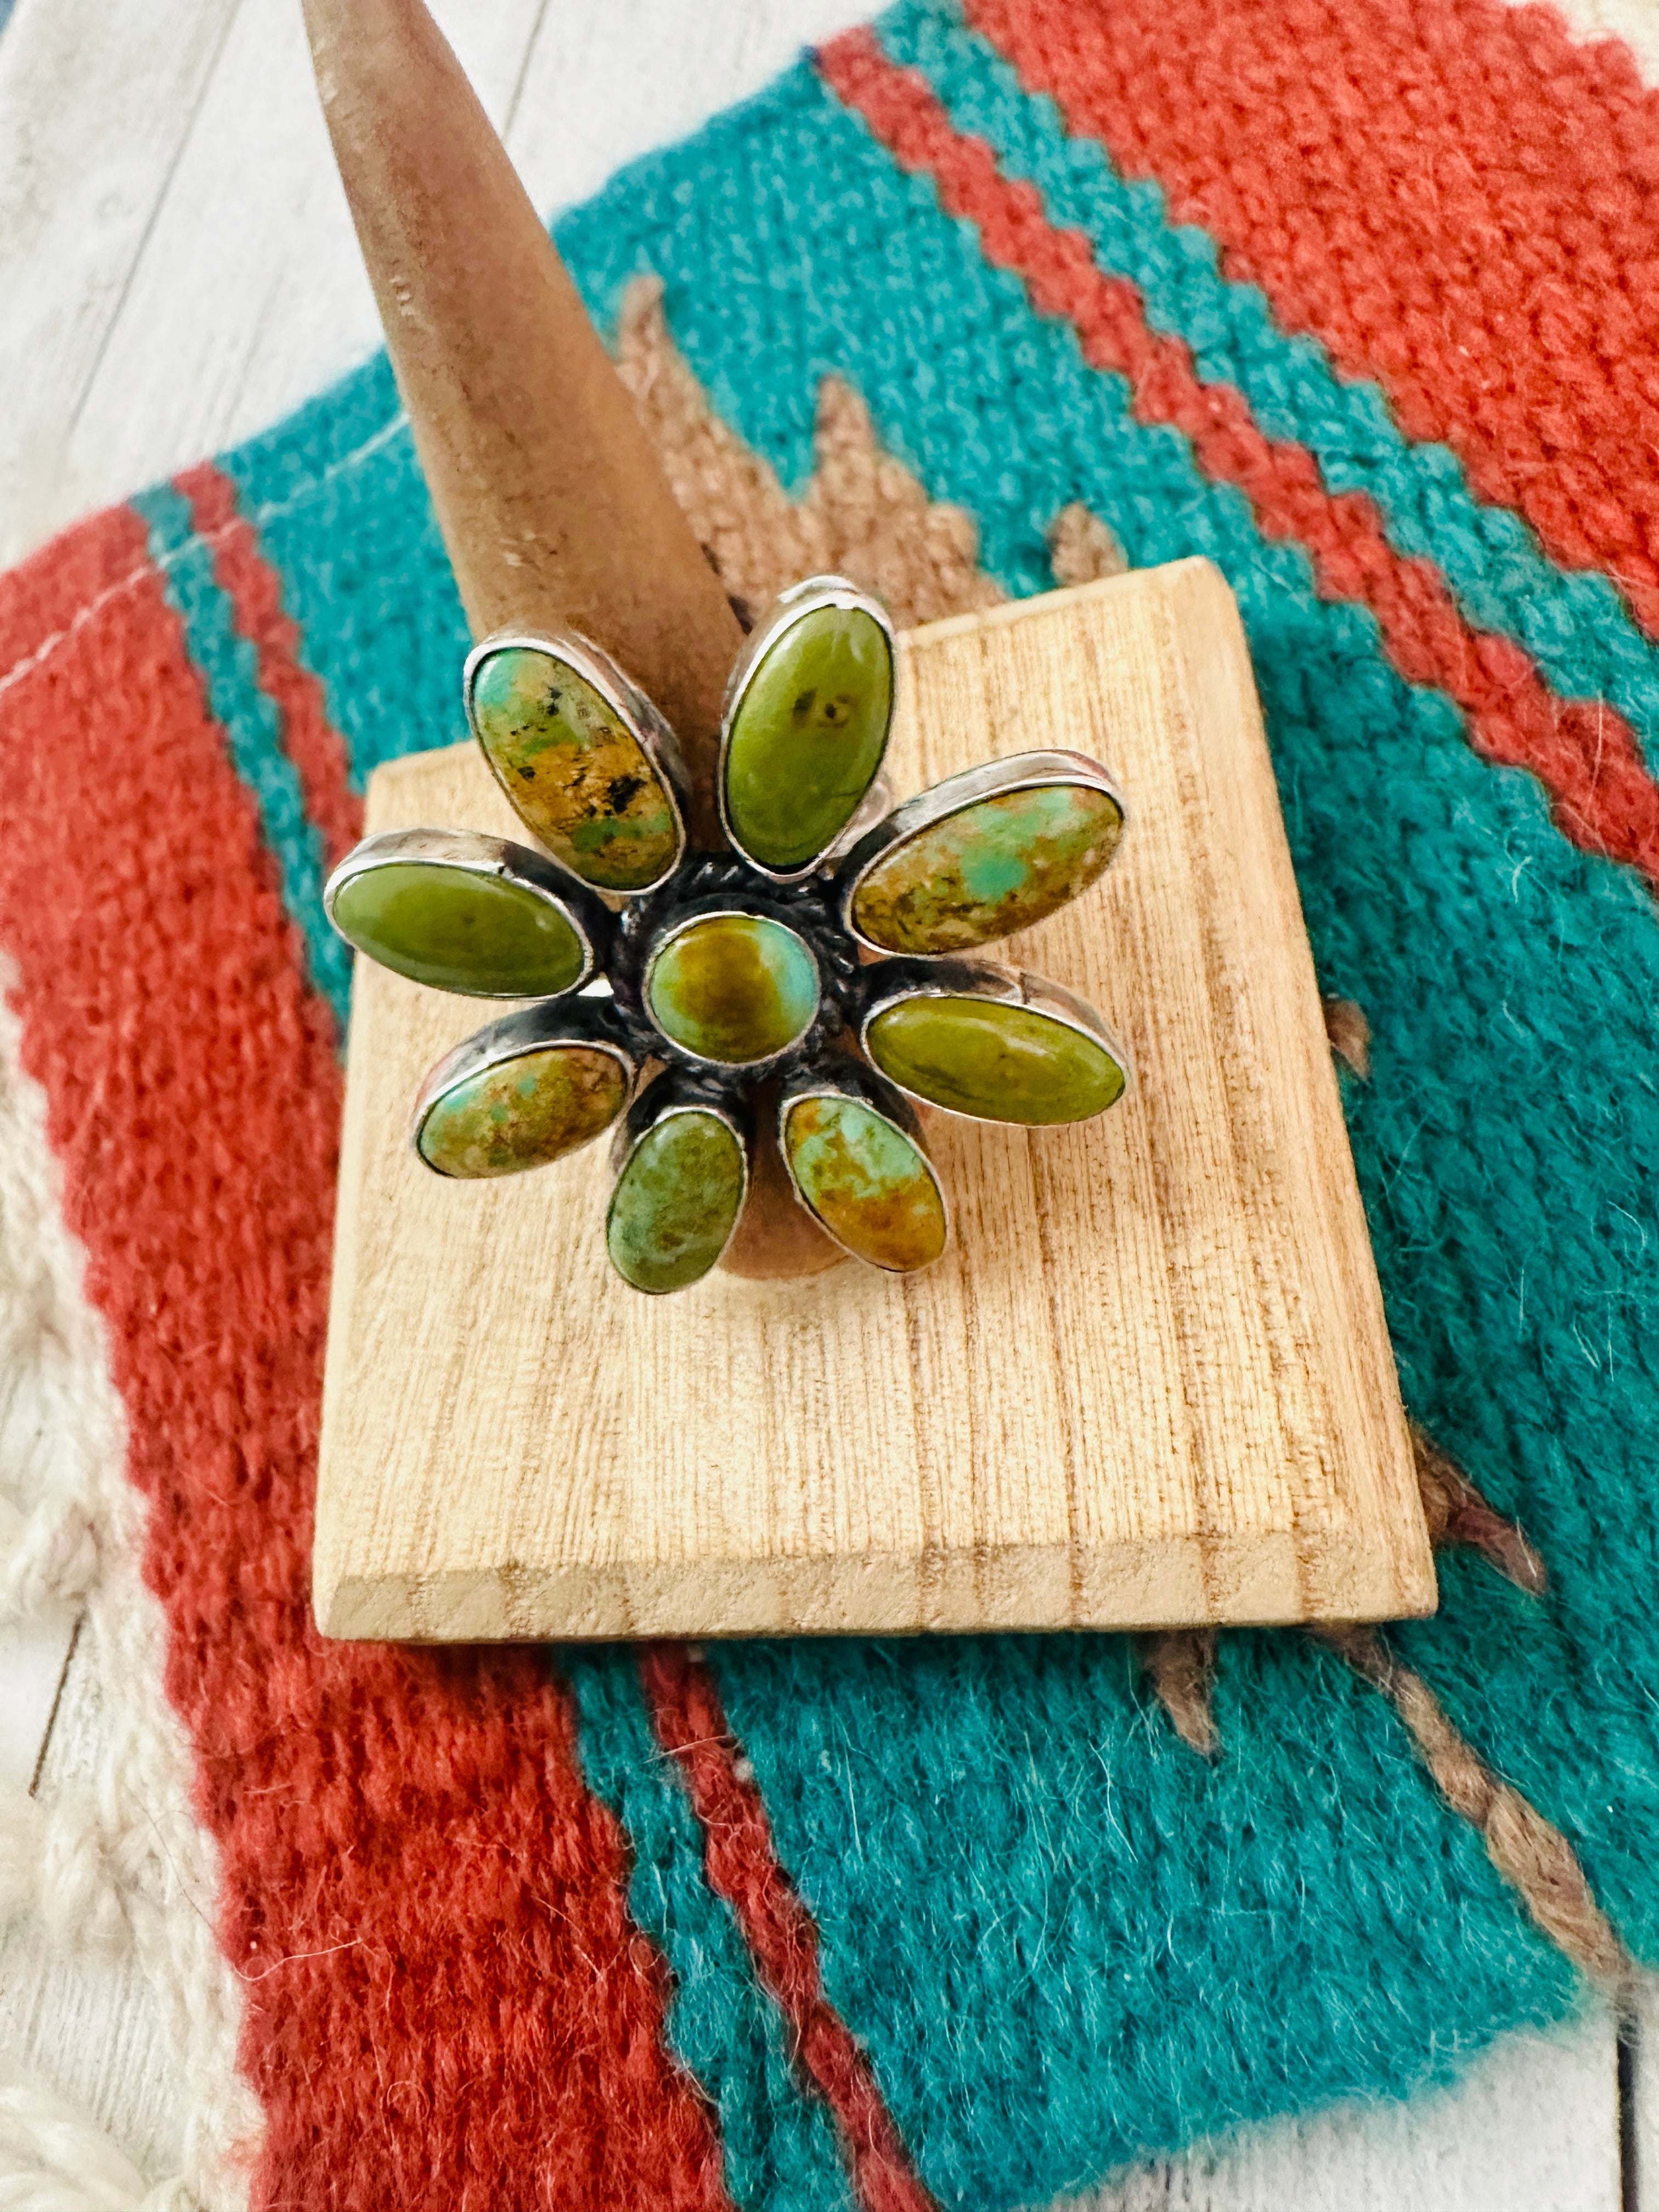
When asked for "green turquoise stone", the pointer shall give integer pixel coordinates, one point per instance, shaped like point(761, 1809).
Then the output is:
point(733, 988)
point(867, 1182)
point(577, 775)
point(808, 736)
point(524, 1112)
point(992, 869)
point(994, 1060)
point(676, 1202)
point(460, 931)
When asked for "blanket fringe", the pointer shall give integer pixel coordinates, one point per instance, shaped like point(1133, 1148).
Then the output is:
point(52, 2158)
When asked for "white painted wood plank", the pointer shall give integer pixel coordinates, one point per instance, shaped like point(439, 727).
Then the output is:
point(81, 2020)
point(246, 294)
point(1642, 2119)
point(251, 274)
point(647, 72)
point(1533, 2127)
point(246, 291)
point(94, 104)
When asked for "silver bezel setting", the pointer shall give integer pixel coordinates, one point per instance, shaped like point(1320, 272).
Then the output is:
point(547, 1023)
point(625, 1151)
point(957, 794)
point(951, 975)
point(722, 910)
point(864, 1086)
point(811, 595)
point(643, 723)
point(470, 852)
point(872, 810)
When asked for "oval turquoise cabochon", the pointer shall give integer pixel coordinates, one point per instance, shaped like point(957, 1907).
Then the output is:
point(577, 774)
point(867, 1181)
point(994, 1060)
point(1001, 864)
point(675, 1201)
point(522, 1113)
point(732, 987)
point(457, 929)
point(808, 736)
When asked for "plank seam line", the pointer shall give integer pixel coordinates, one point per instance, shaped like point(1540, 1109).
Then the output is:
point(525, 60)
point(151, 221)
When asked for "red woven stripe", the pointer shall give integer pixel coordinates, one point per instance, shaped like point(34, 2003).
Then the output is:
point(255, 592)
point(448, 2008)
point(743, 1868)
point(1457, 198)
point(1584, 754)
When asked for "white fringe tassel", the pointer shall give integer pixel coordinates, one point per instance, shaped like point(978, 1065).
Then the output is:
point(53, 2160)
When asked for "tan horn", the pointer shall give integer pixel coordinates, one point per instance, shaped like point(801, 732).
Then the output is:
point(552, 504)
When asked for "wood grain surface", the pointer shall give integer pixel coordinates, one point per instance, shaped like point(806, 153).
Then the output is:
point(1149, 1382)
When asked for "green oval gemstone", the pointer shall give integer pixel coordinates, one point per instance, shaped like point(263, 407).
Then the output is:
point(733, 988)
point(523, 1113)
point(994, 1060)
point(995, 867)
point(676, 1202)
point(808, 736)
point(460, 931)
point(577, 774)
point(867, 1181)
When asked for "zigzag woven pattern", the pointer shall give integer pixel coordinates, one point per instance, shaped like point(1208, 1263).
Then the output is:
point(1354, 298)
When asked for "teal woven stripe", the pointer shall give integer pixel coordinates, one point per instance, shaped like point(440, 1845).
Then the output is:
point(1575, 623)
point(780, 2150)
point(337, 497)
point(229, 667)
point(1030, 1881)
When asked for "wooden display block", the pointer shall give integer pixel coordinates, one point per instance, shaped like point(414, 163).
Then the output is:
point(1148, 1385)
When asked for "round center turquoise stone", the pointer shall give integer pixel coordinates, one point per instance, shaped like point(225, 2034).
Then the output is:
point(733, 989)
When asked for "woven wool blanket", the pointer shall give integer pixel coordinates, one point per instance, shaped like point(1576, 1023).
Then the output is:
point(1358, 298)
